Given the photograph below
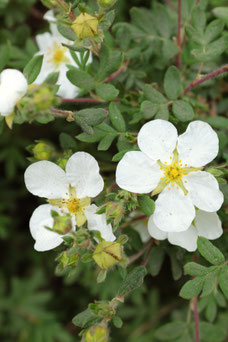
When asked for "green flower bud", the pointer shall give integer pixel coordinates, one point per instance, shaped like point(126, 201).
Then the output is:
point(66, 260)
point(85, 26)
point(62, 163)
point(107, 254)
point(42, 151)
point(43, 98)
point(96, 334)
point(62, 224)
point(49, 3)
point(106, 3)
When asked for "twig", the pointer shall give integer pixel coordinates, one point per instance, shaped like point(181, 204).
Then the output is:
point(145, 262)
point(126, 224)
point(58, 113)
point(139, 254)
point(205, 78)
point(196, 319)
point(115, 74)
point(86, 100)
point(178, 58)
point(170, 4)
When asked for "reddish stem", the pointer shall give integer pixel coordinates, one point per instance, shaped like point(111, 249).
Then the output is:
point(197, 2)
point(148, 254)
point(178, 58)
point(86, 100)
point(205, 78)
point(196, 319)
point(115, 74)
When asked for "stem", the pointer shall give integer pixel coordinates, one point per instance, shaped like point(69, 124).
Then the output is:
point(178, 58)
point(196, 319)
point(145, 262)
point(115, 74)
point(205, 78)
point(140, 253)
point(86, 100)
point(197, 2)
point(126, 224)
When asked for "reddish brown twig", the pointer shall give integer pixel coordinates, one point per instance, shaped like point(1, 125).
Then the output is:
point(178, 58)
point(148, 254)
point(196, 319)
point(205, 78)
point(136, 256)
point(139, 218)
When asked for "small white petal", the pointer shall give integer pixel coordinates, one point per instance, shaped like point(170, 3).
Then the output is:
point(49, 16)
point(154, 231)
point(45, 42)
point(157, 139)
point(13, 86)
point(66, 89)
point(82, 172)
point(186, 239)
point(204, 190)
point(198, 145)
point(137, 173)
point(98, 222)
point(46, 179)
point(174, 211)
point(208, 225)
point(45, 239)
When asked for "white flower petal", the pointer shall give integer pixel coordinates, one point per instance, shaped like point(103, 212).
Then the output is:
point(137, 173)
point(208, 225)
point(198, 145)
point(13, 86)
point(157, 139)
point(45, 42)
point(46, 69)
point(98, 222)
point(204, 190)
point(154, 231)
point(49, 16)
point(46, 179)
point(82, 172)
point(174, 211)
point(45, 239)
point(66, 89)
point(186, 239)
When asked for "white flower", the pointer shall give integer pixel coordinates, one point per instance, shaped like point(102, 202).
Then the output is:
point(70, 191)
point(205, 224)
point(171, 166)
point(56, 56)
point(39, 223)
point(98, 222)
point(140, 225)
point(13, 86)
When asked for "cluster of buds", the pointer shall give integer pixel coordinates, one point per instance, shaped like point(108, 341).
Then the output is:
point(106, 3)
point(96, 333)
point(42, 150)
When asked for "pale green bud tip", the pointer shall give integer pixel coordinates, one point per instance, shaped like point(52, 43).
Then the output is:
point(62, 224)
point(65, 260)
point(107, 254)
point(96, 334)
point(42, 151)
point(85, 26)
point(43, 98)
point(106, 3)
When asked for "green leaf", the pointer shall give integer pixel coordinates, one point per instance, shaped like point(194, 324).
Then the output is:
point(4, 55)
point(146, 204)
point(170, 331)
point(163, 113)
point(66, 32)
point(116, 118)
point(117, 321)
point(118, 156)
point(32, 69)
point(209, 251)
point(221, 13)
point(213, 30)
point(101, 276)
point(183, 110)
point(153, 95)
point(133, 280)
point(211, 51)
point(223, 280)
point(198, 19)
point(106, 142)
point(210, 281)
point(194, 35)
point(86, 319)
point(92, 116)
point(211, 310)
point(81, 79)
point(172, 83)
point(192, 288)
point(211, 332)
point(149, 109)
point(107, 92)
point(157, 257)
point(194, 269)
point(67, 142)
point(169, 49)
point(52, 78)
point(217, 121)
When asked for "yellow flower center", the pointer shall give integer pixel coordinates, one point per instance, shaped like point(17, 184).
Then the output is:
point(74, 205)
point(58, 54)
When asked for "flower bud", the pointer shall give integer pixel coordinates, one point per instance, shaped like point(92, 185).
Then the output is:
point(42, 151)
point(43, 98)
point(96, 334)
point(107, 254)
point(62, 224)
point(106, 3)
point(85, 26)
point(66, 260)
point(49, 3)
